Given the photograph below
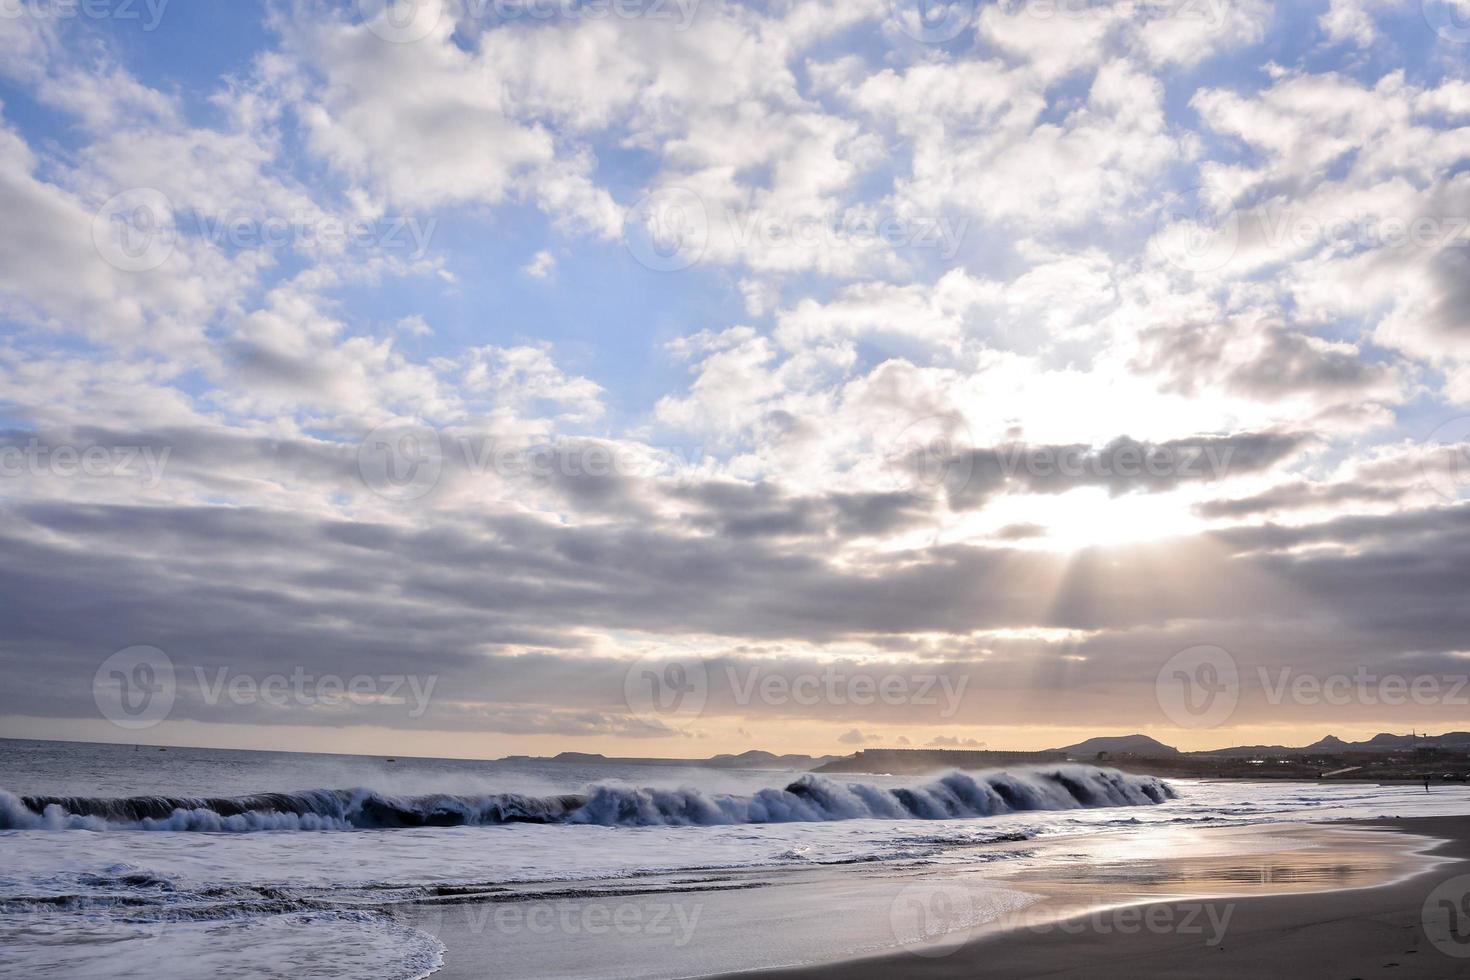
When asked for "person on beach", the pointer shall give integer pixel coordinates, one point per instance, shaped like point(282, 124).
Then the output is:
point(1426, 783)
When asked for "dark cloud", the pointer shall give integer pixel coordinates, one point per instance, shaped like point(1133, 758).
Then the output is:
point(1020, 532)
point(1291, 363)
point(761, 510)
point(1451, 310)
point(1124, 465)
point(500, 608)
point(877, 514)
point(1267, 361)
point(1299, 495)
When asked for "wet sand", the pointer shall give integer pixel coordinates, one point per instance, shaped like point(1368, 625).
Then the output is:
point(1307, 900)
point(1413, 927)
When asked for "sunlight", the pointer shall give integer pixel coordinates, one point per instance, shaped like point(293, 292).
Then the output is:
point(1090, 517)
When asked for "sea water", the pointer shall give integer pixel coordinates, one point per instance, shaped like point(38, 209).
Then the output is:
point(124, 861)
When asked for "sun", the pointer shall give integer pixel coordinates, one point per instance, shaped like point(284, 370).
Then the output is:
point(1089, 517)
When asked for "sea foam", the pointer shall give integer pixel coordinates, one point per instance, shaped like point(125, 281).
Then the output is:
point(809, 798)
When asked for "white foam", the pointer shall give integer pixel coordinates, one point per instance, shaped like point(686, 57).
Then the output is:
point(321, 945)
point(809, 798)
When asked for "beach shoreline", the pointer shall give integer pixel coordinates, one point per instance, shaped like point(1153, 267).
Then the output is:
point(1414, 926)
point(1064, 877)
point(1185, 901)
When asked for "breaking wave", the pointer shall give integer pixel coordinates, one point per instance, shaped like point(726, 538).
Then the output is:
point(809, 798)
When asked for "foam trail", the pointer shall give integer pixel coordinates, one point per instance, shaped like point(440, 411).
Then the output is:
point(809, 798)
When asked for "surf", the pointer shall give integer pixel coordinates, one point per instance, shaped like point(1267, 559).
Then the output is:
point(809, 798)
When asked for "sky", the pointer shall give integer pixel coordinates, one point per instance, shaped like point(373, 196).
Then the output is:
point(677, 377)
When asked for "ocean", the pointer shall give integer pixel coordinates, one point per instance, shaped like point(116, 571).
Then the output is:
point(121, 861)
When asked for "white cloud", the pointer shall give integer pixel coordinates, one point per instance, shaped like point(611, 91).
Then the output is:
point(1353, 20)
point(542, 264)
point(1049, 148)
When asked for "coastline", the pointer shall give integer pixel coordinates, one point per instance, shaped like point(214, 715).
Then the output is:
point(1044, 889)
point(1402, 928)
point(1181, 901)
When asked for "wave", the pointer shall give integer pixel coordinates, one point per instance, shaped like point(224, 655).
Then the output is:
point(810, 798)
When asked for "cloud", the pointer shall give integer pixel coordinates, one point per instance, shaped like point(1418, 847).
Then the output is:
point(1266, 361)
point(228, 588)
point(541, 265)
point(1299, 495)
point(813, 447)
point(1122, 466)
point(1352, 20)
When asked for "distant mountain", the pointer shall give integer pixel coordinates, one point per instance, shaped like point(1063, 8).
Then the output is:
point(1140, 745)
point(754, 759)
point(1256, 751)
point(1332, 745)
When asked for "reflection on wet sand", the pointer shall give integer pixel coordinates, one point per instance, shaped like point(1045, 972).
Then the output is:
point(1109, 872)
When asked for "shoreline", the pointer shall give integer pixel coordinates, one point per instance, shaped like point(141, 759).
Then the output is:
point(1415, 926)
point(1183, 901)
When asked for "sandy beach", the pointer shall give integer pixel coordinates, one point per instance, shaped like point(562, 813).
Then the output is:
point(1417, 927)
point(1221, 878)
point(1339, 900)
